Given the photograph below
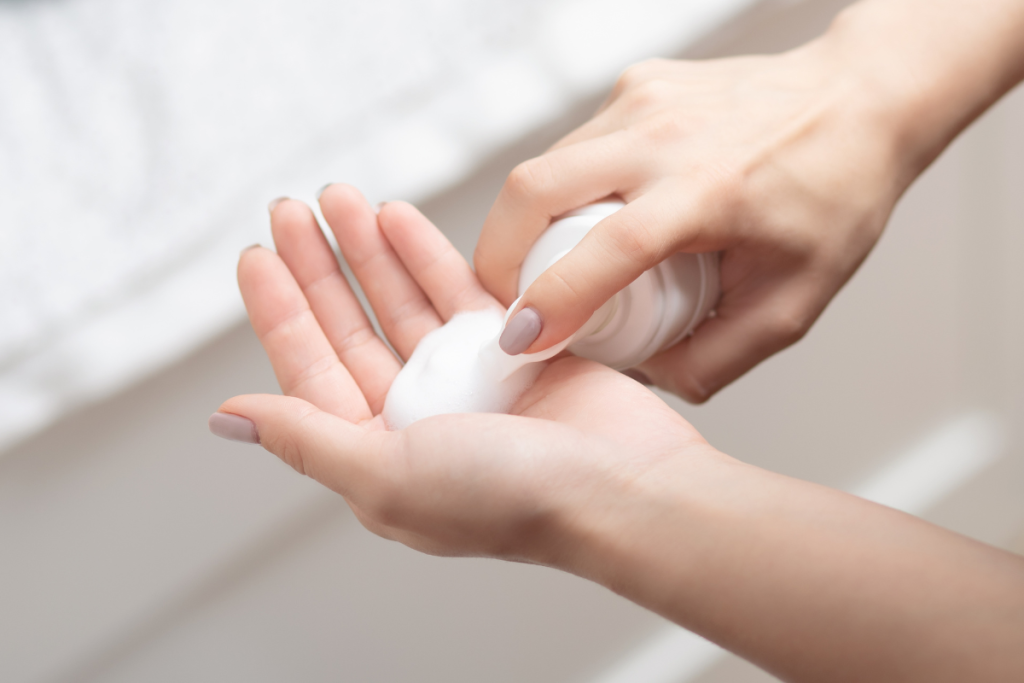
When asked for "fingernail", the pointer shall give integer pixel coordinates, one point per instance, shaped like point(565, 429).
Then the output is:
point(252, 246)
point(521, 331)
point(321, 190)
point(378, 206)
point(638, 376)
point(274, 202)
point(234, 428)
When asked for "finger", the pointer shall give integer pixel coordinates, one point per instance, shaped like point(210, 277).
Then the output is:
point(404, 312)
point(542, 188)
point(304, 249)
point(345, 457)
point(303, 360)
point(596, 127)
point(747, 328)
point(613, 254)
point(432, 261)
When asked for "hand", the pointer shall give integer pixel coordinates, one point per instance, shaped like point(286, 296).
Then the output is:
point(495, 485)
point(784, 163)
point(595, 475)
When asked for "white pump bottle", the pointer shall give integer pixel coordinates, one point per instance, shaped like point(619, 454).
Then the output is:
point(653, 313)
point(460, 367)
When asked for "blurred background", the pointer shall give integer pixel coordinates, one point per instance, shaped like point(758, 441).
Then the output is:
point(139, 146)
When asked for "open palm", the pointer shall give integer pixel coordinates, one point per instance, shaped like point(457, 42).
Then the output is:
point(452, 484)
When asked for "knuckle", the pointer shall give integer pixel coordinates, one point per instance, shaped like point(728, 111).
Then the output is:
point(561, 284)
point(637, 73)
point(729, 183)
point(693, 394)
point(689, 388)
point(288, 446)
point(721, 197)
point(650, 95)
point(659, 128)
point(789, 325)
point(530, 179)
point(633, 239)
point(288, 450)
point(804, 248)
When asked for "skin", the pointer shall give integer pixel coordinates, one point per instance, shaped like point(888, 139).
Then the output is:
point(808, 582)
point(592, 473)
point(790, 165)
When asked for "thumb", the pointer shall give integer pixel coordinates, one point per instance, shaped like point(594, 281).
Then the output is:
point(613, 254)
point(339, 454)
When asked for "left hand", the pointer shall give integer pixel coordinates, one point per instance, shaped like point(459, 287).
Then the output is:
point(478, 484)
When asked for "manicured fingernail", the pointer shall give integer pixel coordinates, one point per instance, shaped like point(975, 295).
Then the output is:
point(378, 206)
point(638, 376)
point(521, 331)
point(252, 246)
point(234, 428)
point(274, 202)
point(321, 190)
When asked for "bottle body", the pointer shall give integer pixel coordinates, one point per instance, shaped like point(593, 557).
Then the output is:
point(654, 312)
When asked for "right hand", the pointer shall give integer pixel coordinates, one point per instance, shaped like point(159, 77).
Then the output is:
point(785, 163)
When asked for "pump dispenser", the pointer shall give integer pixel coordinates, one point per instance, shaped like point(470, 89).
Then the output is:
point(654, 312)
point(460, 368)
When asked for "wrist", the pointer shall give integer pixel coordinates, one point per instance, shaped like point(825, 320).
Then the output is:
point(639, 530)
point(925, 69)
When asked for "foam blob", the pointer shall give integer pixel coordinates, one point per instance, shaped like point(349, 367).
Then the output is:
point(458, 368)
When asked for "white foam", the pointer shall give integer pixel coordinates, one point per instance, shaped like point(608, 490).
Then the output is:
point(458, 368)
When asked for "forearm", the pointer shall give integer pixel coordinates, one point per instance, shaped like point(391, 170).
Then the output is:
point(932, 66)
point(807, 582)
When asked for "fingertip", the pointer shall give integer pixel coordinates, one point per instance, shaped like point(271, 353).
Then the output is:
point(560, 308)
point(274, 203)
point(245, 260)
point(393, 212)
point(340, 192)
point(233, 428)
point(251, 257)
point(246, 255)
point(520, 332)
point(341, 203)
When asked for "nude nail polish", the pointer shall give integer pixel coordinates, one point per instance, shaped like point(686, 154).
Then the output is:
point(234, 428)
point(521, 331)
point(274, 202)
point(660, 308)
point(321, 190)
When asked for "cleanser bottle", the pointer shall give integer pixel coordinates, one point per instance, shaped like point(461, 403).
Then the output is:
point(656, 311)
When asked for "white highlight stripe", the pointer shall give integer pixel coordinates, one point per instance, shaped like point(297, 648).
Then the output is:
point(672, 655)
point(938, 465)
point(930, 471)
